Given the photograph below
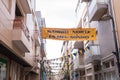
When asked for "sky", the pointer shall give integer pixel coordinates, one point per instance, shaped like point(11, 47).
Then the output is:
point(57, 14)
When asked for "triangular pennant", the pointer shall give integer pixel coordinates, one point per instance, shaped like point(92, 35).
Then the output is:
point(88, 47)
point(71, 56)
point(80, 51)
point(83, 50)
point(74, 54)
point(77, 54)
point(65, 57)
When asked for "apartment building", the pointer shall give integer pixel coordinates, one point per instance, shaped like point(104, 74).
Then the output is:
point(78, 61)
point(65, 67)
point(71, 62)
point(41, 24)
point(99, 60)
point(19, 40)
point(115, 7)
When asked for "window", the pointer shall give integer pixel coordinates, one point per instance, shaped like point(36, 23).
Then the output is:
point(17, 11)
point(112, 63)
point(82, 73)
point(109, 64)
point(98, 76)
point(3, 69)
point(110, 75)
point(89, 70)
point(97, 67)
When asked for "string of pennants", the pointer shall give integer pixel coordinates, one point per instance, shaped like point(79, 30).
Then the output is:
point(52, 74)
point(81, 51)
point(55, 73)
point(58, 66)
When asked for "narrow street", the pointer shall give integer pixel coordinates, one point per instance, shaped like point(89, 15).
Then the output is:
point(60, 40)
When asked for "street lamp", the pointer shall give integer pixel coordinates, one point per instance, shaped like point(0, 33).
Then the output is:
point(116, 53)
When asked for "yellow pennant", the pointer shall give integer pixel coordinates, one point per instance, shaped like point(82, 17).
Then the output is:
point(69, 33)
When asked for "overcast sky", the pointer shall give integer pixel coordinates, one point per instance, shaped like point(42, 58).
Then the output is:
point(57, 14)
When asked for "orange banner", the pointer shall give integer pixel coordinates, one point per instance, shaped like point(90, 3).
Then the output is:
point(69, 33)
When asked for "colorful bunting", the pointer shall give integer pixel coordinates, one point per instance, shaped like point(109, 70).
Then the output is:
point(80, 51)
point(59, 66)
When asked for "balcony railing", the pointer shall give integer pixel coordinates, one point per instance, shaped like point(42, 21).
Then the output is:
point(93, 54)
point(21, 35)
point(97, 9)
point(79, 63)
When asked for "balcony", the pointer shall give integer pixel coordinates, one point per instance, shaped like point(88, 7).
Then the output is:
point(37, 65)
point(26, 5)
point(79, 63)
point(21, 35)
point(35, 68)
point(37, 38)
point(93, 54)
point(78, 45)
point(97, 9)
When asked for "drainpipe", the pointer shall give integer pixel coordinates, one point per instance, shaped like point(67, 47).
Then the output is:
point(116, 53)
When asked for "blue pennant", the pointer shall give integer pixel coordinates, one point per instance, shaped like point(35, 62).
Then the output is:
point(74, 54)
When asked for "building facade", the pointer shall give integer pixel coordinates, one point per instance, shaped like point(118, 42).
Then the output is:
point(115, 6)
point(19, 41)
point(71, 60)
point(99, 60)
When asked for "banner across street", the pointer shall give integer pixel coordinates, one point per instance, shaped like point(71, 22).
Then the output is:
point(69, 33)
